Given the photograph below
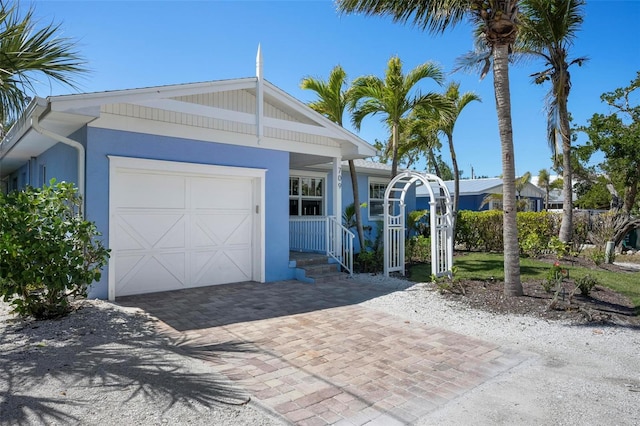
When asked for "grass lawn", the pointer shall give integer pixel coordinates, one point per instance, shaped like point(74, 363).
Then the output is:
point(483, 266)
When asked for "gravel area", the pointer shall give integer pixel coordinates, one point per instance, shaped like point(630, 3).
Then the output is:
point(577, 375)
point(105, 364)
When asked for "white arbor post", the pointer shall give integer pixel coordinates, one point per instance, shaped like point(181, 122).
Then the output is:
point(441, 223)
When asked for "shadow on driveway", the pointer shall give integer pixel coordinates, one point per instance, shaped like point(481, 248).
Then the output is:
point(215, 306)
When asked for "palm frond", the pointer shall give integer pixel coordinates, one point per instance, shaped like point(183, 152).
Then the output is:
point(27, 53)
point(432, 15)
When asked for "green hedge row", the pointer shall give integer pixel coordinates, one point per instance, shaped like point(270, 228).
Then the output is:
point(537, 231)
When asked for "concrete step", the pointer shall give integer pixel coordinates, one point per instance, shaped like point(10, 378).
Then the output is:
point(315, 268)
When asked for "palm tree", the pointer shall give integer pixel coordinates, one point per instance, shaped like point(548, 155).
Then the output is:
point(548, 28)
point(459, 103)
point(545, 182)
point(392, 97)
point(26, 53)
point(420, 136)
point(332, 101)
point(521, 203)
point(497, 20)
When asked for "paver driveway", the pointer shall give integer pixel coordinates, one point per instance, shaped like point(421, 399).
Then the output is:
point(315, 356)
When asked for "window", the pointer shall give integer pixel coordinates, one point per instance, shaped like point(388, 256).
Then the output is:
point(306, 196)
point(376, 197)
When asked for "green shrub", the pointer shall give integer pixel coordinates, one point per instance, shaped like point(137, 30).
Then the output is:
point(555, 276)
point(597, 256)
point(49, 254)
point(370, 261)
point(558, 247)
point(418, 249)
point(586, 284)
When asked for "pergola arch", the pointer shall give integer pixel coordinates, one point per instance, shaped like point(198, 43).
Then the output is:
point(440, 217)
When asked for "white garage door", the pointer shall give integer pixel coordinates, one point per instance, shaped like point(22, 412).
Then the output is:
point(178, 225)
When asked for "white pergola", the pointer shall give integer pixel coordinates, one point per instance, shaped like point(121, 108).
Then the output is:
point(441, 221)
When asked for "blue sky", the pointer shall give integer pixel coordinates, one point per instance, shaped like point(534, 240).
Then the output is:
point(131, 44)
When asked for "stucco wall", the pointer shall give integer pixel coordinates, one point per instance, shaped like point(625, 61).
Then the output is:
point(102, 142)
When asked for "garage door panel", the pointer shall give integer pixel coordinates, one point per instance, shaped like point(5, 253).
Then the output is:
point(222, 229)
point(150, 273)
point(146, 231)
point(226, 266)
point(137, 190)
point(221, 194)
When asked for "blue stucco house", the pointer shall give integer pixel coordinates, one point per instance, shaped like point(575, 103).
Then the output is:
point(195, 184)
point(473, 192)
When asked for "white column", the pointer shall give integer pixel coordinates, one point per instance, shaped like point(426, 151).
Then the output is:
point(337, 188)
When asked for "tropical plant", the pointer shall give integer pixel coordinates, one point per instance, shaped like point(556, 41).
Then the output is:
point(497, 21)
point(522, 203)
point(548, 185)
point(28, 52)
point(419, 136)
point(459, 101)
point(394, 98)
point(49, 254)
point(332, 102)
point(547, 30)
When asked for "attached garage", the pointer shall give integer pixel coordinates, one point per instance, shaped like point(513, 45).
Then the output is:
point(179, 225)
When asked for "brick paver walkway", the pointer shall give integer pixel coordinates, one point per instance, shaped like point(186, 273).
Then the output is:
point(314, 356)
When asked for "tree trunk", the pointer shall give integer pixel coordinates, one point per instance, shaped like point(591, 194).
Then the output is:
point(356, 203)
point(512, 283)
point(566, 227)
point(546, 199)
point(395, 127)
point(631, 192)
point(432, 159)
point(456, 182)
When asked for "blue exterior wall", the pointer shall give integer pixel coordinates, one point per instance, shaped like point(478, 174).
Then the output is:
point(103, 142)
point(61, 162)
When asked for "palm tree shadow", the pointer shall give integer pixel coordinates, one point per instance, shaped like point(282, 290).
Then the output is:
point(52, 370)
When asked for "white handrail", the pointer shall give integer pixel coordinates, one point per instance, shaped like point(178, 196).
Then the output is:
point(322, 234)
point(340, 244)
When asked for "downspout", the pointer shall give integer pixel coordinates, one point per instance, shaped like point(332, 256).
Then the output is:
point(74, 144)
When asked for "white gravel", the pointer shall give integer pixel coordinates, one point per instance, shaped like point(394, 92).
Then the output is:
point(105, 365)
point(576, 375)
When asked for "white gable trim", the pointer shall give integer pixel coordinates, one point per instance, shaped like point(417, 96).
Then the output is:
point(160, 128)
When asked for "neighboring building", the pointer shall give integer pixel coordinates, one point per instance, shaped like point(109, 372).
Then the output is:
point(474, 191)
point(556, 196)
point(192, 184)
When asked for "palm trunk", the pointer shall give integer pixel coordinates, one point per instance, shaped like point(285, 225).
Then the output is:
point(566, 227)
point(394, 146)
point(432, 159)
point(456, 181)
point(546, 199)
point(356, 203)
point(512, 283)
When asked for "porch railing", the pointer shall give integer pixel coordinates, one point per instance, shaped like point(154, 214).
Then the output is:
point(322, 234)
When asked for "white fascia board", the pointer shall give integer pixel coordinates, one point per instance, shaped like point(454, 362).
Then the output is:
point(87, 100)
point(159, 128)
